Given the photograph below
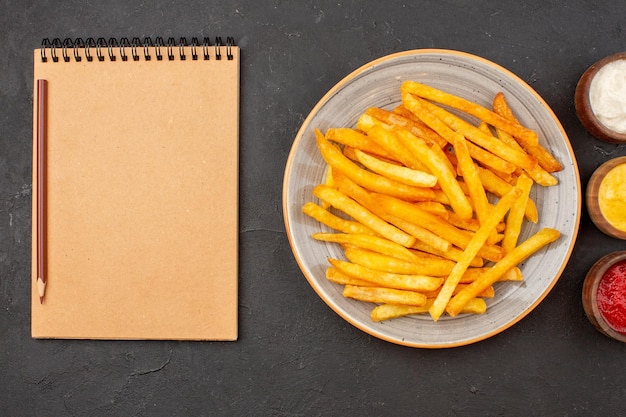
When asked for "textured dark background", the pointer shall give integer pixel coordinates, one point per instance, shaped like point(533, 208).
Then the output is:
point(295, 357)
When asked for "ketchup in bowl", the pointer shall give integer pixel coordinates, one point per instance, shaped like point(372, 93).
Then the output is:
point(604, 295)
point(611, 296)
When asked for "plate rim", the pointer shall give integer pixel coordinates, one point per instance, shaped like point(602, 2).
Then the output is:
point(299, 137)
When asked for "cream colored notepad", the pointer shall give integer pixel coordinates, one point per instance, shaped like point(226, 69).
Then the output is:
point(141, 192)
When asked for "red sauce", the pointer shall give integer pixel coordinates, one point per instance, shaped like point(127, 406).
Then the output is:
point(611, 297)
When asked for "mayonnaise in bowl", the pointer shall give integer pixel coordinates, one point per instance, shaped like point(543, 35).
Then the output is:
point(607, 95)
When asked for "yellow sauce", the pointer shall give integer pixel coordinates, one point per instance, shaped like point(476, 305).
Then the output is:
point(612, 197)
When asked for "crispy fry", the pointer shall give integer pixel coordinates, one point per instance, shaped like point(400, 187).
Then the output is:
point(426, 255)
point(538, 174)
point(481, 155)
point(391, 311)
point(475, 188)
point(419, 233)
point(545, 159)
point(335, 158)
point(453, 253)
point(540, 239)
point(478, 240)
point(488, 292)
point(384, 295)
point(395, 172)
point(490, 160)
point(439, 226)
point(434, 207)
point(499, 187)
point(384, 263)
point(475, 306)
point(472, 224)
point(446, 178)
point(415, 126)
point(513, 274)
point(468, 107)
point(516, 215)
point(382, 135)
point(361, 214)
point(472, 274)
point(355, 139)
point(485, 128)
point(470, 173)
point(369, 242)
point(429, 135)
point(337, 223)
point(410, 282)
point(363, 197)
point(338, 277)
point(514, 156)
point(446, 156)
point(414, 185)
point(329, 181)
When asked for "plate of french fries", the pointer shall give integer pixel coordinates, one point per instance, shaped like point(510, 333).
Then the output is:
point(432, 198)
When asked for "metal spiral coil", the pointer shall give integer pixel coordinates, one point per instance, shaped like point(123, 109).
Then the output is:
point(68, 49)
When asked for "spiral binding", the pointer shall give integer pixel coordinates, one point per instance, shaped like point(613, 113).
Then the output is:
point(102, 48)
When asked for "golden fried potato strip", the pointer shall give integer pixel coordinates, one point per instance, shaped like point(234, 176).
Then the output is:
point(437, 225)
point(363, 197)
point(334, 222)
point(384, 263)
point(355, 139)
point(338, 277)
point(517, 255)
point(469, 107)
point(516, 215)
point(369, 242)
point(442, 169)
point(545, 159)
point(395, 172)
point(412, 282)
point(384, 295)
point(412, 124)
point(336, 159)
point(417, 186)
point(477, 242)
point(514, 156)
point(391, 311)
point(350, 207)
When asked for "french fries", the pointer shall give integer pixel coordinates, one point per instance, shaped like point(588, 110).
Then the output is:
point(369, 242)
point(545, 159)
point(517, 255)
point(398, 173)
point(384, 295)
point(419, 283)
point(335, 158)
point(475, 244)
point(468, 107)
point(352, 208)
point(428, 205)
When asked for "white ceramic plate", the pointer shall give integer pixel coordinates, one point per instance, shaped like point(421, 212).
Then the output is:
point(378, 84)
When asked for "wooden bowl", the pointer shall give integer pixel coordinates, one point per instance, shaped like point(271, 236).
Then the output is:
point(590, 290)
point(583, 106)
point(593, 203)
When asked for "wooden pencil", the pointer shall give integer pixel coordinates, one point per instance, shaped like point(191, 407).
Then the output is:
point(41, 188)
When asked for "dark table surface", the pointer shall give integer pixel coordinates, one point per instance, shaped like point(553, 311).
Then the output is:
point(294, 356)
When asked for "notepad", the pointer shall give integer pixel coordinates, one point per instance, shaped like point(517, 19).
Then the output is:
point(141, 190)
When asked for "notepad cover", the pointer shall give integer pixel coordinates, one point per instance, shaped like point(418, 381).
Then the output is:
point(141, 199)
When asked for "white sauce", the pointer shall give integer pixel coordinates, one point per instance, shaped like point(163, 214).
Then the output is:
point(607, 95)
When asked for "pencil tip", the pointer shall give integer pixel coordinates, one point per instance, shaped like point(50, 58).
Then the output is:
point(41, 288)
